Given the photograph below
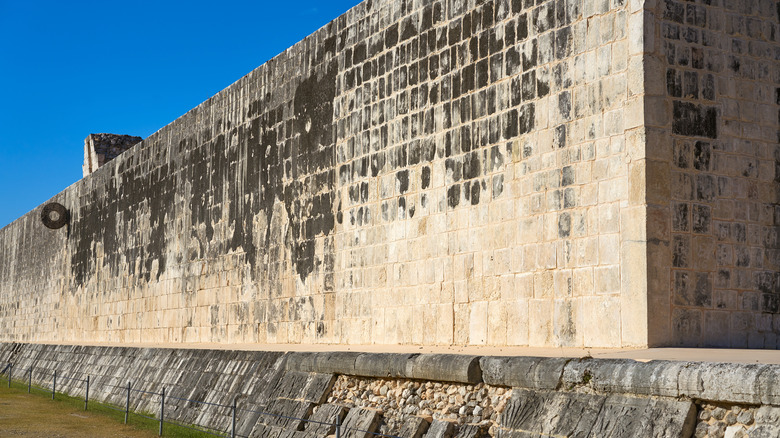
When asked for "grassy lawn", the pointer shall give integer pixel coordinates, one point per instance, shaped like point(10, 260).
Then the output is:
point(37, 415)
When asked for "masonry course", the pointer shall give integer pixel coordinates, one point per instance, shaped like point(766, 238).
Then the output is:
point(552, 173)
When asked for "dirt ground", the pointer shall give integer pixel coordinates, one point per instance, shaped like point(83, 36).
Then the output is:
point(23, 415)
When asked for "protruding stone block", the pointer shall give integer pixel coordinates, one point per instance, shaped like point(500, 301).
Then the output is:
point(99, 149)
point(523, 372)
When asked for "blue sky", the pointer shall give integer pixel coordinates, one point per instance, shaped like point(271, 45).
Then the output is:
point(71, 68)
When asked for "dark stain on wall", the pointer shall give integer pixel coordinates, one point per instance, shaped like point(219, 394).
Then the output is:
point(694, 120)
point(309, 197)
point(130, 194)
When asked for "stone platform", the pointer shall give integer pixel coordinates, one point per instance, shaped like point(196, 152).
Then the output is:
point(405, 394)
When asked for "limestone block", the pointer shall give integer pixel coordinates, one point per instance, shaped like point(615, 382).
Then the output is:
point(575, 414)
point(767, 422)
point(625, 416)
point(737, 383)
point(472, 431)
point(769, 385)
point(658, 378)
point(523, 372)
point(287, 414)
point(384, 365)
point(441, 429)
point(325, 362)
point(540, 322)
point(543, 413)
point(445, 367)
point(414, 427)
point(324, 419)
point(604, 330)
point(262, 431)
point(478, 323)
point(361, 423)
point(517, 322)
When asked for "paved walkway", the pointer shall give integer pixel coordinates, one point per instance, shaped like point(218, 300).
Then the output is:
point(644, 355)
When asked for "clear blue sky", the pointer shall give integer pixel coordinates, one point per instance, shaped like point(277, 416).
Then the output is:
point(71, 68)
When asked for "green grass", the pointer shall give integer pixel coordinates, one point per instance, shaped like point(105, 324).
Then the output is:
point(134, 419)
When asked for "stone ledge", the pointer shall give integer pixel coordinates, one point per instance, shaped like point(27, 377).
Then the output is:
point(523, 372)
point(752, 384)
point(721, 382)
point(443, 367)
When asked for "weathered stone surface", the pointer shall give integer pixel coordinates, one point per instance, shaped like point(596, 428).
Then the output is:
point(99, 149)
point(446, 367)
point(714, 285)
point(323, 362)
point(360, 423)
point(262, 431)
point(441, 429)
point(543, 412)
point(414, 427)
point(625, 376)
point(296, 385)
point(626, 416)
point(384, 365)
point(323, 421)
point(532, 413)
point(287, 414)
point(268, 392)
point(764, 431)
point(440, 173)
point(472, 431)
point(214, 376)
point(769, 385)
point(738, 383)
point(523, 372)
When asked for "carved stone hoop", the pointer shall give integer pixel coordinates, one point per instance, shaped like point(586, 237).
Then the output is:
point(54, 215)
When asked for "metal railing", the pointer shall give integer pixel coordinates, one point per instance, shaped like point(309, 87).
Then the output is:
point(340, 429)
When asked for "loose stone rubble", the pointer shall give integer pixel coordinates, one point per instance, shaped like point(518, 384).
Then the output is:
point(399, 399)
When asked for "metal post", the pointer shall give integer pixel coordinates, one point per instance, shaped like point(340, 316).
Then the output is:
point(86, 396)
point(162, 411)
point(127, 406)
point(233, 430)
point(10, 370)
point(29, 382)
point(338, 426)
point(54, 385)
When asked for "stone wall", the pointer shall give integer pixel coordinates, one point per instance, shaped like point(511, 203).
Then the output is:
point(416, 172)
point(415, 395)
point(714, 172)
point(500, 172)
